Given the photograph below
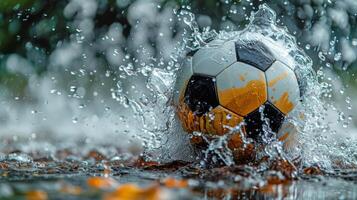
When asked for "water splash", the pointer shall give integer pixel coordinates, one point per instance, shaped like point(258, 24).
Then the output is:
point(124, 99)
point(315, 142)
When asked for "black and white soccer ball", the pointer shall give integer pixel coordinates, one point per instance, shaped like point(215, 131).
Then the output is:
point(251, 79)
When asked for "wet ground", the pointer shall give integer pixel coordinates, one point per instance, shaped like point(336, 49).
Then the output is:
point(138, 179)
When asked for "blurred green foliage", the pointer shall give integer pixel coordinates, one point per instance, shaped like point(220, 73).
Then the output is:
point(36, 26)
point(13, 5)
point(30, 21)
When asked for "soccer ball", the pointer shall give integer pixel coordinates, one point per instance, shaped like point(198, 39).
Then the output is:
point(250, 79)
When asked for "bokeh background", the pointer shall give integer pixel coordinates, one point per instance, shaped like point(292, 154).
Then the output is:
point(34, 29)
point(72, 68)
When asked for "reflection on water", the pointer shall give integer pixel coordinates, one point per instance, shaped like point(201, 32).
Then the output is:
point(178, 181)
point(100, 116)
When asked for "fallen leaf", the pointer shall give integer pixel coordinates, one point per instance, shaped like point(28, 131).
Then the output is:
point(101, 182)
point(174, 183)
point(133, 192)
point(36, 195)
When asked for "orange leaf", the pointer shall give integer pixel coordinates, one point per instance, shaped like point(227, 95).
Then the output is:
point(174, 183)
point(133, 192)
point(36, 195)
point(101, 182)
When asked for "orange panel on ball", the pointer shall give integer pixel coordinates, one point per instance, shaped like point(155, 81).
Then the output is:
point(284, 104)
point(216, 122)
point(283, 87)
point(242, 88)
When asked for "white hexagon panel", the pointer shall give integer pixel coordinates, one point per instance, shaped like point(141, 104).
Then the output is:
point(214, 58)
point(280, 53)
point(184, 75)
point(241, 88)
point(283, 87)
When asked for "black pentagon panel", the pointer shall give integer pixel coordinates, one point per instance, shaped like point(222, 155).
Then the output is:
point(200, 94)
point(254, 53)
point(209, 39)
point(191, 53)
point(254, 123)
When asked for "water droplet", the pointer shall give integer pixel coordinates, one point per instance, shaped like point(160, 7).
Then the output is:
point(211, 116)
point(348, 100)
point(72, 88)
point(321, 56)
point(350, 118)
point(337, 56)
point(74, 120)
point(345, 124)
point(341, 116)
point(229, 116)
point(354, 41)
